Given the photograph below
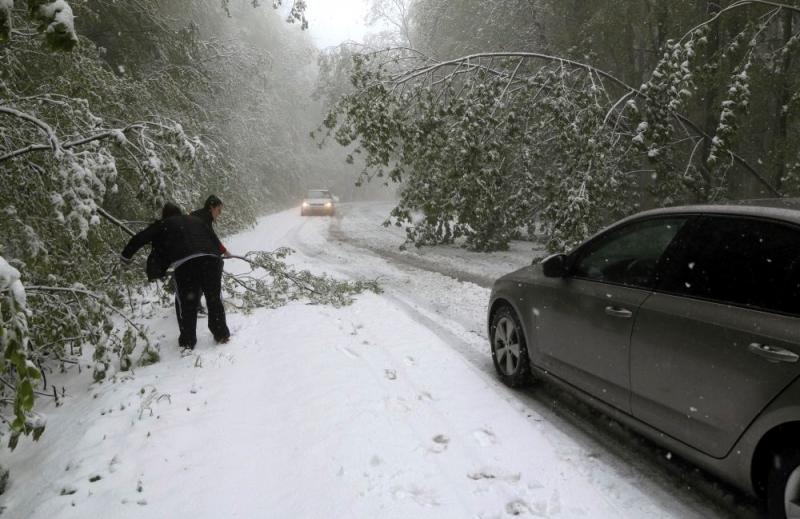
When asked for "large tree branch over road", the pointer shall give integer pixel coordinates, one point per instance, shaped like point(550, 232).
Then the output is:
point(473, 62)
point(489, 144)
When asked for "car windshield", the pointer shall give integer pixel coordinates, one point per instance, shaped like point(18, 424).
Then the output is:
point(318, 193)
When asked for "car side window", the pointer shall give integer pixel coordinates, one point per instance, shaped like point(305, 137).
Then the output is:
point(741, 261)
point(628, 255)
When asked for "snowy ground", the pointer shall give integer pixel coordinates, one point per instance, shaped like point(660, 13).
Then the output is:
point(388, 408)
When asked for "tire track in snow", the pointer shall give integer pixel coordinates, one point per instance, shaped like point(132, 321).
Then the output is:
point(416, 262)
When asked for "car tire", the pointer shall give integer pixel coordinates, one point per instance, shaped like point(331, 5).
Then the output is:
point(509, 349)
point(783, 485)
point(302, 212)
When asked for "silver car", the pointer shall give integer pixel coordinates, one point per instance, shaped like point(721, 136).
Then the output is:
point(683, 323)
point(318, 201)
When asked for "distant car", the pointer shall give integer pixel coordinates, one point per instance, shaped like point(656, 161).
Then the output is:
point(318, 201)
point(683, 323)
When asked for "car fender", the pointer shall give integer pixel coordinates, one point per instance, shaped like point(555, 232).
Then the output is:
point(784, 409)
point(502, 292)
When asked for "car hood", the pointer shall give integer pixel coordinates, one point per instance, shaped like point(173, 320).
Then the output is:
point(318, 200)
point(526, 274)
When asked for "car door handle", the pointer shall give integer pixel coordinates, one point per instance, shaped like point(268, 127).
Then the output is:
point(616, 311)
point(773, 354)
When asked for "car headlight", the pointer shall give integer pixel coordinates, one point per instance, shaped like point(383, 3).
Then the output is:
point(328, 204)
point(305, 204)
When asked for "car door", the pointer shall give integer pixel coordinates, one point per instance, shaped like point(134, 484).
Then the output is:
point(583, 321)
point(720, 336)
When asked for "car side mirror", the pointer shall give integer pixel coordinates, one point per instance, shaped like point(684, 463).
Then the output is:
point(555, 266)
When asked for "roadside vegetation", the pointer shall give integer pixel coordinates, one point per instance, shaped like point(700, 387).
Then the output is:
point(107, 110)
point(520, 119)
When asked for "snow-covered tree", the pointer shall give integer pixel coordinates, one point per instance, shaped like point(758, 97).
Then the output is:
point(96, 139)
point(496, 143)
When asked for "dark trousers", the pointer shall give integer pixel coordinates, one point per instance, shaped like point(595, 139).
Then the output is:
point(199, 276)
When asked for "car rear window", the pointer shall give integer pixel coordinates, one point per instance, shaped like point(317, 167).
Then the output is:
point(743, 261)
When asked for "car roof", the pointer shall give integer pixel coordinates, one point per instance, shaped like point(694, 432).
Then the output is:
point(787, 209)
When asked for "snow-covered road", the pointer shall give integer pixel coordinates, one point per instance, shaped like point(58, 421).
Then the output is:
point(387, 408)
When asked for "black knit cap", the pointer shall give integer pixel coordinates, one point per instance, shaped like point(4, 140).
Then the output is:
point(212, 201)
point(170, 209)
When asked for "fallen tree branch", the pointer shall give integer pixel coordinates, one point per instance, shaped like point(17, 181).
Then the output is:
point(630, 90)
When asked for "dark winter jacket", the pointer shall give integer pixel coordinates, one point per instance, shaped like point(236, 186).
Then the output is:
point(157, 264)
point(204, 213)
point(176, 239)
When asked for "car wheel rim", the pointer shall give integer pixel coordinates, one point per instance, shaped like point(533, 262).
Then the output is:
point(507, 346)
point(791, 496)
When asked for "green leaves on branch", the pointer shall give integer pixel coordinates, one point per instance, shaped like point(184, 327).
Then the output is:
point(493, 146)
point(272, 283)
point(487, 149)
point(17, 373)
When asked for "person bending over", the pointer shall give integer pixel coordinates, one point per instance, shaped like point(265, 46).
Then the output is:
point(191, 249)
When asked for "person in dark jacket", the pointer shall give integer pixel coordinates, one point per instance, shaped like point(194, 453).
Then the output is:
point(211, 210)
point(157, 264)
point(190, 248)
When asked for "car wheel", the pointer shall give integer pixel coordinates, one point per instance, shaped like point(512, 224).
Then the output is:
point(783, 485)
point(302, 212)
point(509, 350)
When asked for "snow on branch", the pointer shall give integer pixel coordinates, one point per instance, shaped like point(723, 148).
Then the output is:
point(54, 18)
point(272, 283)
point(122, 345)
point(54, 145)
point(17, 372)
point(56, 21)
point(738, 5)
point(475, 63)
point(494, 145)
point(117, 135)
